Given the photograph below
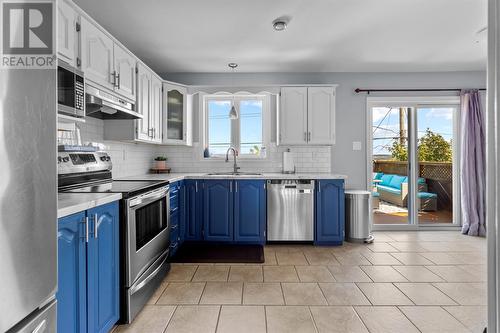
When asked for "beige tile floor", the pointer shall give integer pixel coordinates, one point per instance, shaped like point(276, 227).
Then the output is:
point(404, 282)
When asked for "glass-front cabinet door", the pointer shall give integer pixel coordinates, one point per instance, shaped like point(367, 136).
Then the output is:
point(175, 124)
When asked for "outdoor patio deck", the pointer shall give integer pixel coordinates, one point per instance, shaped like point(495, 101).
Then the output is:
point(391, 214)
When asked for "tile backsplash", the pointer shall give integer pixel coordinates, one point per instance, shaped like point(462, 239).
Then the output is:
point(315, 159)
point(137, 158)
point(128, 158)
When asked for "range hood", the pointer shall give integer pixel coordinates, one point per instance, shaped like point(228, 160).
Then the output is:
point(102, 105)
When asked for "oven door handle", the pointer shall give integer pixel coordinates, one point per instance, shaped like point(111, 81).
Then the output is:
point(147, 199)
point(151, 276)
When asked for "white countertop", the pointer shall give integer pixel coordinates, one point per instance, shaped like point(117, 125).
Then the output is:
point(71, 203)
point(173, 177)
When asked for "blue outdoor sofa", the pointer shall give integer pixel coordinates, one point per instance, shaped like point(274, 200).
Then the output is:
point(393, 188)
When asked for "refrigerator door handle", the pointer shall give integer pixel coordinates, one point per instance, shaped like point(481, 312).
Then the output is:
point(95, 225)
point(42, 327)
point(86, 229)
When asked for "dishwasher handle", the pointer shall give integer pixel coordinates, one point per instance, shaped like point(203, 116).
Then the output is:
point(297, 190)
point(303, 187)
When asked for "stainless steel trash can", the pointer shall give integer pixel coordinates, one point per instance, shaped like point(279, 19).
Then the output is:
point(357, 216)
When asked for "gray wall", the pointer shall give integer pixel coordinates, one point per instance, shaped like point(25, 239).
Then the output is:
point(351, 107)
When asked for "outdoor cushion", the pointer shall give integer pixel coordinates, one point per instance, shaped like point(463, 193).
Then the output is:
point(375, 194)
point(386, 180)
point(396, 181)
point(426, 195)
point(421, 180)
point(388, 189)
point(377, 175)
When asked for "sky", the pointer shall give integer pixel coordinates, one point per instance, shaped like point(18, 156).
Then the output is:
point(219, 128)
point(385, 124)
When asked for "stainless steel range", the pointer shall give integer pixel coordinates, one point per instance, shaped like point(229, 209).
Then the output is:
point(144, 222)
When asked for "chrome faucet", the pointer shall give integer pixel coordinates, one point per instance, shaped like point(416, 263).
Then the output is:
point(235, 153)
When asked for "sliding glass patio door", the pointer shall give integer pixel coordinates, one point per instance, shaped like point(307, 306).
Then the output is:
point(413, 161)
point(436, 165)
point(390, 165)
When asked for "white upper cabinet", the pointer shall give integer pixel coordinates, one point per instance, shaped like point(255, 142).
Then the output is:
point(149, 105)
point(307, 116)
point(177, 122)
point(144, 130)
point(321, 115)
point(124, 71)
point(156, 109)
point(97, 55)
point(293, 116)
point(66, 33)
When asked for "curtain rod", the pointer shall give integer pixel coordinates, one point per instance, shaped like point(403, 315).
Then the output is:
point(368, 91)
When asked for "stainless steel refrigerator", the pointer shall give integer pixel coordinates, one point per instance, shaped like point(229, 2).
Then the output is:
point(28, 200)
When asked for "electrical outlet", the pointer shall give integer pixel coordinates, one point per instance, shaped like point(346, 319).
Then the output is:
point(356, 145)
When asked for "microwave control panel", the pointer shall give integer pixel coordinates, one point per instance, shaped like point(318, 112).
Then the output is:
point(79, 93)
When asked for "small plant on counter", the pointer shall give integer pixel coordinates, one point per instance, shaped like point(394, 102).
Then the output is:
point(160, 162)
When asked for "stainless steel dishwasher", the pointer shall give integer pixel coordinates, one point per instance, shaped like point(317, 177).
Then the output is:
point(290, 210)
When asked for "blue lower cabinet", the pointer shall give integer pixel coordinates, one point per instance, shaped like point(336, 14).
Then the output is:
point(218, 210)
point(249, 211)
point(103, 268)
point(88, 270)
point(176, 199)
point(330, 203)
point(72, 274)
point(182, 212)
point(192, 210)
point(175, 239)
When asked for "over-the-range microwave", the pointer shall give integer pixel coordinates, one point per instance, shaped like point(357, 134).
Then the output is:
point(70, 90)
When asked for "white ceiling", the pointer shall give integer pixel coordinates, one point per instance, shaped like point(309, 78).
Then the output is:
point(322, 36)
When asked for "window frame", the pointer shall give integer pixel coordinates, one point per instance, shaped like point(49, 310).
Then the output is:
point(236, 98)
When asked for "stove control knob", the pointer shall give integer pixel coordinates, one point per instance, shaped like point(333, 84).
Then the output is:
point(103, 158)
point(59, 159)
point(108, 158)
point(65, 159)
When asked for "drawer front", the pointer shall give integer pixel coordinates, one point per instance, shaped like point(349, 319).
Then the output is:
point(174, 201)
point(174, 233)
point(174, 188)
point(174, 218)
point(173, 248)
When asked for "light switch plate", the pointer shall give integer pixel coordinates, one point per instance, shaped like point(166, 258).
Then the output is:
point(356, 145)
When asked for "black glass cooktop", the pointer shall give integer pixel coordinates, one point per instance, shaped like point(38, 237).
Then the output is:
point(126, 187)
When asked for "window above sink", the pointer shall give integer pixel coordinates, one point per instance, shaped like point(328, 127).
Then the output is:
point(249, 133)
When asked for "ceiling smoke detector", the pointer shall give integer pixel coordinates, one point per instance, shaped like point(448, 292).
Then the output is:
point(280, 24)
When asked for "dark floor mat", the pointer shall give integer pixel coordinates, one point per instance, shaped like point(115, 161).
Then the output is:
point(219, 253)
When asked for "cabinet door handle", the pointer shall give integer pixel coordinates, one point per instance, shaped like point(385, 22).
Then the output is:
point(95, 225)
point(196, 185)
point(118, 80)
point(236, 186)
point(309, 136)
point(86, 229)
point(114, 78)
point(305, 136)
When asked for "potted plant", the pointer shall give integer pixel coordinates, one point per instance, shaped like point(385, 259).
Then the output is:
point(160, 162)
